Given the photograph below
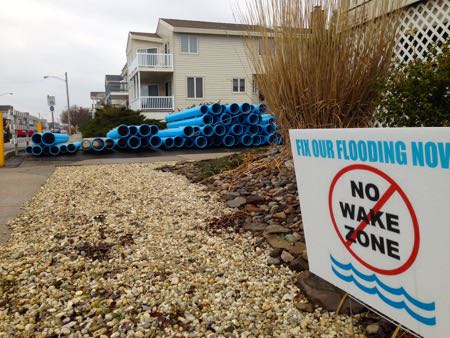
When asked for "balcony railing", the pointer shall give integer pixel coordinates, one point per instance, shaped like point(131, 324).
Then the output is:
point(151, 60)
point(153, 102)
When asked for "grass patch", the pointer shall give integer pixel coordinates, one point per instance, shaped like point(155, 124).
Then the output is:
point(217, 166)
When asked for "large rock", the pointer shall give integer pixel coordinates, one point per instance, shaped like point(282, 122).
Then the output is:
point(277, 241)
point(236, 202)
point(324, 294)
point(299, 264)
point(276, 229)
point(255, 227)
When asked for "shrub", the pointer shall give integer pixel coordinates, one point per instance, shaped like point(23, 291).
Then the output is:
point(317, 66)
point(110, 117)
point(417, 94)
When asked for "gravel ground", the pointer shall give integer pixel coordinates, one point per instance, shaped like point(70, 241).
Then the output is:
point(124, 251)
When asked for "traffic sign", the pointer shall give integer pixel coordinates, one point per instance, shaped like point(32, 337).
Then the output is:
point(52, 109)
point(375, 208)
point(51, 100)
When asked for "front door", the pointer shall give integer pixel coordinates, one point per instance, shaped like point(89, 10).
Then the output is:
point(153, 90)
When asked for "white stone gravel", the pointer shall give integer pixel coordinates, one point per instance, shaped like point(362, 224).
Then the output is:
point(165, 274)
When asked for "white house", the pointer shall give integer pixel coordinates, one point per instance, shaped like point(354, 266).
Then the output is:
point(185, 63)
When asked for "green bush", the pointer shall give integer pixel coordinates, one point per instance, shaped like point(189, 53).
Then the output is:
point(417, 94)
point(110, 117)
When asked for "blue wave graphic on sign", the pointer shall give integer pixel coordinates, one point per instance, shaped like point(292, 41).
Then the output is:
point(375, 291)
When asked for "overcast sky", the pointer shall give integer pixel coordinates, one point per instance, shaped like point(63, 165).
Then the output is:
point(85, 38)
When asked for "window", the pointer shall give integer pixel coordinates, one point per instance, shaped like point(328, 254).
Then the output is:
point(238, 85)
point(189, 44)
point(195, 87)
point(148, 50)
point(255, 87)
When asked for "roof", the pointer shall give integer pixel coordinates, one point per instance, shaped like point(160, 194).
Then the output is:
point(209, 25)
point(5, 108)
point(113, 77)
point(149, 35)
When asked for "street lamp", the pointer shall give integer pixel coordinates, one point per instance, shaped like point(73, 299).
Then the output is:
point(67, 93)
point(3, 94)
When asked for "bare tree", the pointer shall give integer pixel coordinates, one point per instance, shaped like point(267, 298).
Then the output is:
point(78, 116)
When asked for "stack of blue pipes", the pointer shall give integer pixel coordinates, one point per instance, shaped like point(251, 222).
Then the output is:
point(220, 125)
point(51, 144)
point(124, 137)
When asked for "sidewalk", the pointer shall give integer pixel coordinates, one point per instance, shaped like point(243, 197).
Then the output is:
point(17, 186)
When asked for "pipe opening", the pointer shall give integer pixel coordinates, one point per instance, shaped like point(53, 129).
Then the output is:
point(228, 141)
point(188, 131)
point(122, 143)
point(233, 108)
point(85, 144)
point(36, 138)
point(48, 138)
point(245, 108)
point(246, 140)
point(63, 148)
point(189, 143)
point(207, 130)
point(153, 129)
point(54, 150)
point(134, 142)
point(123, 130)
point(37, 150)
point(168, 142)
point(109, 143)
point(220, 130)
point(207, 119)
point(144, 142)
point(71, 148)
point(155, 141)
point(201, 142)
point(216, 108)
point(133, 130)
point(178, 141)
point(144, 130)
point(225, 118)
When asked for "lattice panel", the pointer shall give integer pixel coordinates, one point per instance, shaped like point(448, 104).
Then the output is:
point(423, 24)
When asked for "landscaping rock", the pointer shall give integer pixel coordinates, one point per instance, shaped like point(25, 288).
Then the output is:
point(324, 294)
point(276, 229)
point(276, 253)
point(305, 307)
point(236, 202)
point(372, 328)
point(286, 257)
point(299, 264)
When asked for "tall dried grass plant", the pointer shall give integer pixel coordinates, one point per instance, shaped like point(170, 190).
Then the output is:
point(318, 65)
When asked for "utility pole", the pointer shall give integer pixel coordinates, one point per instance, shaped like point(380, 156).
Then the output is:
point(68, 103)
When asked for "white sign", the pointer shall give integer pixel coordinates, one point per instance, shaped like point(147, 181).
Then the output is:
point(376, 210)
point(51, 100)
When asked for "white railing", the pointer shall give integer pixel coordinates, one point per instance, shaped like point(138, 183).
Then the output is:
point(151, 60)
point(153, 102)
point(155, 60)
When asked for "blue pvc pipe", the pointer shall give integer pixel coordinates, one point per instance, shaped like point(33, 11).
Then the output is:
point(215, 108)
point(98, 144)
point(133, 130)
point(144, 130)
point(245, 108)
point(187, 113)
point(184, 131)
point(252, 129)
point(224, 108)
point(220, 130)
point(279, 139)
point(246, 140)
point(232, 109)
point(54, 150)
point(134, 142)
point(252, 118)
point(199, 121)
point(257, 140)
point(50, 139)
point(73, 147)
point(62, 148)
point(207, 130)
point(260, 108)
point(268, 128)
point(109, 143)
point(178, 141)
point(268, 118)
point(217, 141)
point(201, 142)
point(196, 130)
point(36, 138)
point(270, 139)
point(189, 142)
point(37, 150)
point(122, 143)
point(225, 119)
point(119, 131)
point(153, 129)
point(45, 150)
point(236, 129)
point(167, 142)
point(29, 149)
point(228, 140)
point(86, 145)
point(154, 141)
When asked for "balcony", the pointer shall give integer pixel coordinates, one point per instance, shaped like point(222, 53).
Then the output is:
point(150, 61)
point(153, 103)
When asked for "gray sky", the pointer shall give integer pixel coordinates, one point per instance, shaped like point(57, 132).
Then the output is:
point(86, 38)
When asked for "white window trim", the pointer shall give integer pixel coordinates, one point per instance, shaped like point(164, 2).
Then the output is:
point(195, 87)
point(189, 44)
point(239, 85)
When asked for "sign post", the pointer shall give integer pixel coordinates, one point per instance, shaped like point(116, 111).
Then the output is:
point(51, 103)
point(375, 206)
